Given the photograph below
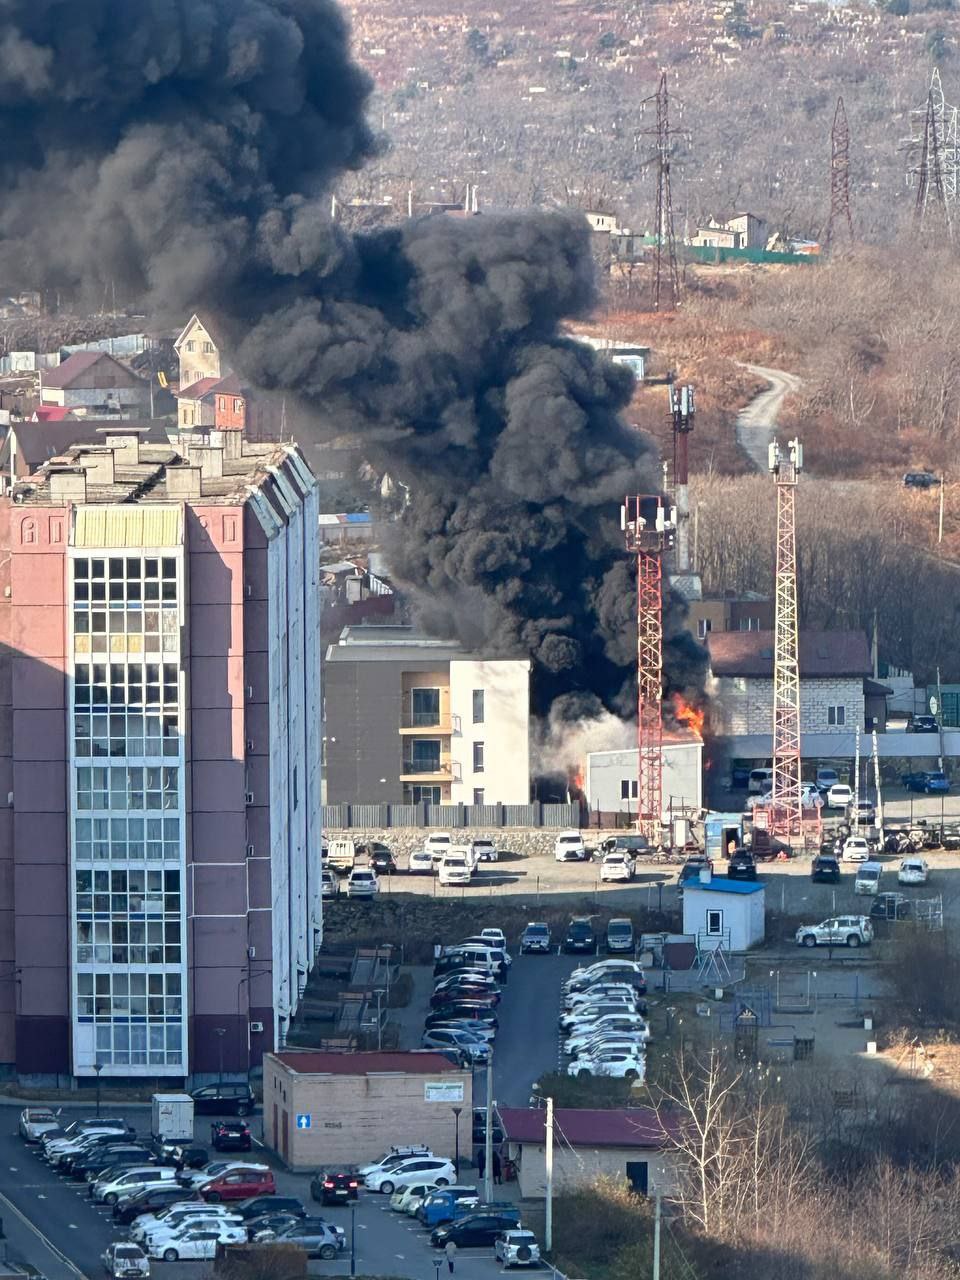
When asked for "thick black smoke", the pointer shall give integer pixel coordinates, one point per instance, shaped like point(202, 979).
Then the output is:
point(181, 151)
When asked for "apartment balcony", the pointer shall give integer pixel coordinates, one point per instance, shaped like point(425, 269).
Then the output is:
point(429, 723)
point(430, 771)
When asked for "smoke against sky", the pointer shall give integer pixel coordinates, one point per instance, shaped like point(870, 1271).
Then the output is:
point(183, 150)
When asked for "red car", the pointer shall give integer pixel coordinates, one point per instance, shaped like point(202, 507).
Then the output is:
point(241, 1184)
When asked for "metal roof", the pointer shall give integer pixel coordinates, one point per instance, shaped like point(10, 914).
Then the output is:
point(822, 653)
point(719, 885)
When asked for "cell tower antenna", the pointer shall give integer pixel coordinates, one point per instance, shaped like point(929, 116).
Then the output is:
point(649, 527)
point(682, 415)
point(666, 270)
point(930, 186)
point(785, 811)
point(840, 216)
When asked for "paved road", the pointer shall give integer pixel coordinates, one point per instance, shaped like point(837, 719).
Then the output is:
point(527, 1042)
point(757, 421)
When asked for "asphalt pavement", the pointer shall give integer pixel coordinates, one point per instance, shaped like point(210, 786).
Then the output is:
point(51, 1224)
point(527, 1041)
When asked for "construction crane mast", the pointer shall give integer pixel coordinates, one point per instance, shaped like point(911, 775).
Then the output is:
point(785, 812)
point(649, 527)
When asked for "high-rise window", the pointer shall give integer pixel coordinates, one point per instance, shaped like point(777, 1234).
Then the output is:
point(478, 706)
point(478, 757)
point(424, 707)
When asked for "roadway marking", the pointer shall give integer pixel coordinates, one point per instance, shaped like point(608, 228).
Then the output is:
point(40, 1236)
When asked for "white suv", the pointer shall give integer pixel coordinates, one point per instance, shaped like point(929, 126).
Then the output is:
point(616, 866)
point(420, 1169)
point(569, 847)
point(839, 931)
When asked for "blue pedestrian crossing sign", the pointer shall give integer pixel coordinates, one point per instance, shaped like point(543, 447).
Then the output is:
point(304, 1120)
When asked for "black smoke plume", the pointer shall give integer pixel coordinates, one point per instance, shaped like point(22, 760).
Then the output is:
point(182, 152)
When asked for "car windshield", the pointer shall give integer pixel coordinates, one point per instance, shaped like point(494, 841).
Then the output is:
point(540, 929)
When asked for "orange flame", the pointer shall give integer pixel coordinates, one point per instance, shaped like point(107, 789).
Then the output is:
point(692, 717)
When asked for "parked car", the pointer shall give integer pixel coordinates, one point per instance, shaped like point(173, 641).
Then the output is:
point(826, 778)
point(200, 1243)
point(231, 1098)
point(891, 906)
point(118, 1182)
point(569, 847)
point(446, 1204)
point(35, 1122)
point(257, 1206)
point(196, 1178)
point(535, 939)
point(334, 1188)
point(517, 1248)
point(620, 935)
point(484, 850)
point(470, 1048)
point(230, 1135)
point(194, 1210)
point(913, 871)
point(625, 1064)
point(394, 1157)
point(89, 1167)
point(692, 867)
point(329, 884)
point(920, 480)
point(633, 845)
point(843, 931)
point(380, 857)
point(147, 1200)
point(240, 1184)
point(855, 849)
point(463, 1009)
point(617, 968)
point(825, 869)
point(742, 865)
point(420, 862)
point(616, 867)
point(437, 843)
point(409, 1199)
point(125, 1261)
point(839, 795)
point(267, 1225)
point(580, 935)
point(936, 783)
point(863, 811)
point(435, 1168)
point(317, 1238)
point(362, 882)
point(478, 1229)
point(455, 867)
point(922, 724)
point(478, 1130)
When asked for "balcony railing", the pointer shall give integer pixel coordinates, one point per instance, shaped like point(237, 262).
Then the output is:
point(438, 722)
point(417, 770)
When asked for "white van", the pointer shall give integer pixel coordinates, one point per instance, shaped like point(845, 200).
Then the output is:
point(468, 852)
point(438, 842)
point(342, 855)
point(454, 867)
point(868, 878)
point(760, 781)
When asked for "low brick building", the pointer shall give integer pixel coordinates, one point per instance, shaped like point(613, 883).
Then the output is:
point(833, 668)
point(344, 1108)
point(627, 1145)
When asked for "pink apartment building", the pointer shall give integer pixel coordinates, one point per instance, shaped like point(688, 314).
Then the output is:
point(159, 758)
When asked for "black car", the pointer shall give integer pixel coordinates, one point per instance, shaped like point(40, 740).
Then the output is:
point(455, 995)
point(923, 724)
point(230, 1135)
point(189, 1157)
point(109, 1158)
point(334, 1188)
point(477, 1229)
point(891, 906)
point(233, 1098)
point(464, 1011)
point(742, 865)
point(633, 844)
point(580, 936)
point(257, 1206)
point(479, 1133)
point(920, 480)
point(825, 869)
point(950, 837)
point(380, 857)
point(129, 1207)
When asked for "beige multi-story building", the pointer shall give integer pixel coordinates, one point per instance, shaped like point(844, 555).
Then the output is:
point(199, 355)
point(410, 719)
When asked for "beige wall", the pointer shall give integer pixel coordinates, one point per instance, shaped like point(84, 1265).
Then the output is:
point(587, 1164)
point(357, 1118)
point(198, 363)
point(505, 731)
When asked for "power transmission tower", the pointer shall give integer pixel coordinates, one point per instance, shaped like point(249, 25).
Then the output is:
point(839, 176)
point(930, 186)
point(666, 270)
point(649, 529)
point(785, 812)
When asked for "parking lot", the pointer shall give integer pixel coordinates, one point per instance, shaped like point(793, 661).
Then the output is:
point(51, 1223)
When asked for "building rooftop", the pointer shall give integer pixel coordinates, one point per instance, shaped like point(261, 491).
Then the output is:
point(365, 1064)
point(68, 370)
point(719, 885)
point(822, 653)
point(38, 442)
point(142, 471)
point(197, 390)
point(636, 1127)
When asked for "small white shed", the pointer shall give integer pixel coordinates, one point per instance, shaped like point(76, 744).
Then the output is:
point(724, 912)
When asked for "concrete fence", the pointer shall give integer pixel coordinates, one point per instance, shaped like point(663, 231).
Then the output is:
point(346, 817)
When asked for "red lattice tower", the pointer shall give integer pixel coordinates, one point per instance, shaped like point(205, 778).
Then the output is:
point(649, 527)
point(785, 812)
point(840, 219)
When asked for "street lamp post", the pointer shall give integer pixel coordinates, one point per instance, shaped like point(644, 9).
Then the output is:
point(98, 1067)
point(353, 1237)
point(221, 1032)
point(456, 1144)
